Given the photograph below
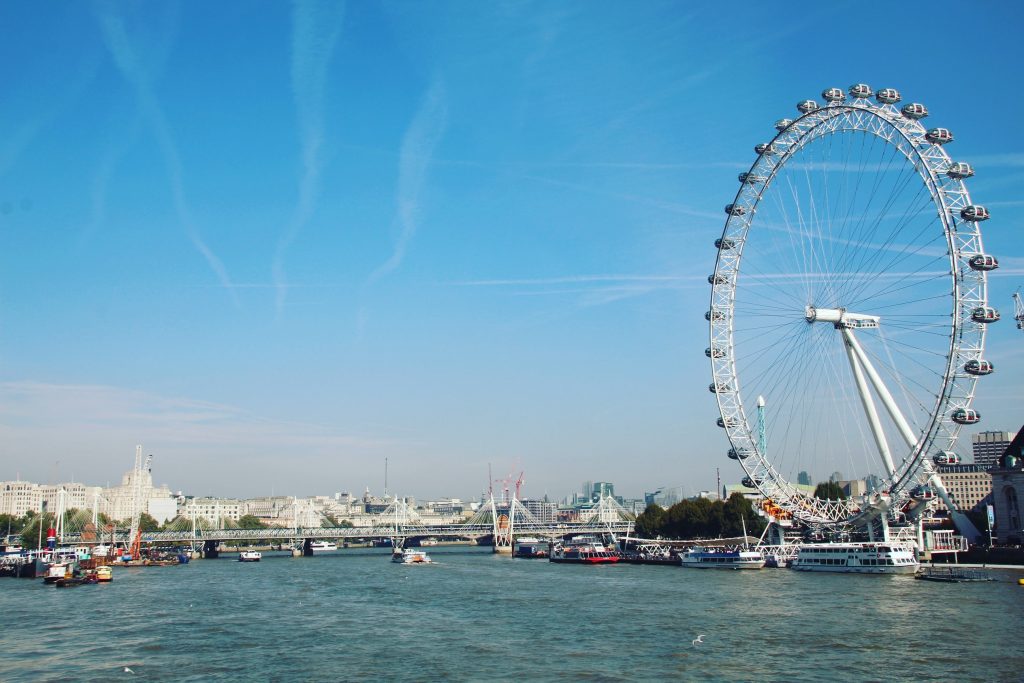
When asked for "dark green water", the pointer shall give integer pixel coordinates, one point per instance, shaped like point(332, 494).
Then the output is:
point(472, 615)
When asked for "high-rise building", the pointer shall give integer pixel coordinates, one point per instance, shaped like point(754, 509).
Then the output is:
point(988, 446)
point(803, 479)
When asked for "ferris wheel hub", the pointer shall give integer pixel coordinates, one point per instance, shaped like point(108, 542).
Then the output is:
point(841, 318)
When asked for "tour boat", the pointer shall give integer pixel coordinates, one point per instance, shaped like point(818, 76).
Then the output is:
point(323, 547)
point(714, 558)
point(250, 556)
point(583, 551)
point(411, 556)
point(56, 572)
point(856, 558)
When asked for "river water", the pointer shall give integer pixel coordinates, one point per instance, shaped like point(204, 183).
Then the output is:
point(354, 615)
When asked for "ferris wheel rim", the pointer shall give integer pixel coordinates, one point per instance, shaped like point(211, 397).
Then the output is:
point(957, 389)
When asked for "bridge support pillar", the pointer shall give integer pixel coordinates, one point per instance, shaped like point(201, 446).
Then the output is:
point(296, 552)
point(211, 550)
point(307, 547)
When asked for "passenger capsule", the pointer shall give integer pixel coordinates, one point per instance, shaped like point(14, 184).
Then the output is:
point(938, 136)
point(984, 314)
point(966, 416)
point(721, 422)
point(734, 210)
point(974, 212)
point(714, 352)
point(914, 110)
point(833, 95)
point(922, 492)
point(718, 279)
point(783, 124)
point(717, 316)
point(724, 243)
point(765, 148)
point(748, 482)
point(979, 367)
point(948, 457)
point(718, 388)
point(983, 262)
point(750, 178)
point(739, 453)
point(807, 106)
point(960, 170)
point(860, 91)
point(888, 96)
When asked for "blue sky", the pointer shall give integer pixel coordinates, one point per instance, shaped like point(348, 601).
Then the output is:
point(276, 243)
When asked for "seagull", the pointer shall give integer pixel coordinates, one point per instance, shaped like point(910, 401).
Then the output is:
point(128, 670)
point(698, 640)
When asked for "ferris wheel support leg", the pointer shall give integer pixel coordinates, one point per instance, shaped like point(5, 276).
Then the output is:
point(883, 392)
point(868, 403)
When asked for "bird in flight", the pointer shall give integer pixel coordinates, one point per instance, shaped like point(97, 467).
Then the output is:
point(698, 640)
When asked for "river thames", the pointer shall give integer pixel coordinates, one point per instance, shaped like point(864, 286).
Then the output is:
point(472, 615)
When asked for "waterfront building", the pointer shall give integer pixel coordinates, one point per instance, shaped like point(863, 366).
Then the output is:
point(1008, 491)
point(989, 446)
point(117, 502)
point(970, 487)
point(214, 511)
point(18, 497)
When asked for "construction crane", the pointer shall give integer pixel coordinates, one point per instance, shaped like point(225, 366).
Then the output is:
point(1018, 310)
point(519, 483)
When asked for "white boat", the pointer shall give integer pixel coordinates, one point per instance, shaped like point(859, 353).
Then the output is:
point(714, 558)
point(856, 558)
point(323, 547)
point(428, 541)
point(250, 556)
point(411, 556)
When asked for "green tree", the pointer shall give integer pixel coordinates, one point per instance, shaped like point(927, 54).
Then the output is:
point(649, 522)
point(9, 524)
point(829, 490)
point(250, 522)
point(147, 523)
point(34, 526)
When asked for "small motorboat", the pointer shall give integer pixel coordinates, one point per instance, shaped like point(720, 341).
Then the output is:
point(104, 574)
point(250, 556)
point(411, 556)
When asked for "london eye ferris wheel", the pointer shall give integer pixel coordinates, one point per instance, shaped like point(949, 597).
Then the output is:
point(849, 307)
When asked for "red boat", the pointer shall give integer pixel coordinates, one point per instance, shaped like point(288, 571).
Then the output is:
point(583, 551)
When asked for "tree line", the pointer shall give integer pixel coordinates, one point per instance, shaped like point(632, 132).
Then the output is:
point(700, 518)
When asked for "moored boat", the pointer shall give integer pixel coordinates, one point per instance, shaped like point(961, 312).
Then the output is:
point(952, 575)
point(104, 574)
point(250, 556)
point(530, 551)
point(856, 558)
point(411, 556)
point(583, 551)
point(714, 558)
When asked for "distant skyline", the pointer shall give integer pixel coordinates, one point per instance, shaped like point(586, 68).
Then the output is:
point(278, 243)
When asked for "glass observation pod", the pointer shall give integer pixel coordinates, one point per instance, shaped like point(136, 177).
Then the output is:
point(714, 353)
point(734, 210)
point(750, 178)
point(783, 124)
point(946, 458)
point(722, 422)
point(738, 453)
point(765, 148)
point(974, 212)
point(717, 316)
point(922, 492)
point(984, 314)
point(719, 388)
point(888, 96)
point(724, 243)
point(966, 416)
point(860, 90)
point(807, 106)
point(983, 262)
point(748, 482)
point(939, 136)
point(960, 170)
point(717, 279)
point(833, 95)
point(914, 110)
point(979, 367)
